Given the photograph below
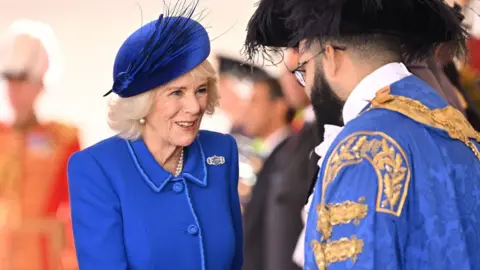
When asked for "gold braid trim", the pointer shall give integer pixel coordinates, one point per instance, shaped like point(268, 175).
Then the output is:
point(336, 251)
point(448, 118)
point(393, 173)
point(389, 162)
point(346, 212)
point(340, 213)
point(391, 167)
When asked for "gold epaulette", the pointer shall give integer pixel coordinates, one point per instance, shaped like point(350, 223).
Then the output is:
point(448, 118)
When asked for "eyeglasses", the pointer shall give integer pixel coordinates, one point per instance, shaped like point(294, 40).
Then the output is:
point(299, 72)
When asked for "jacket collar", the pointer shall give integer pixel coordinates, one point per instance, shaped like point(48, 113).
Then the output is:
point(368, 87)
point(194, 169)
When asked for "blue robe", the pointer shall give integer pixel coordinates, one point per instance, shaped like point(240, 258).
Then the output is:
point(129, 213)
point(399, 188)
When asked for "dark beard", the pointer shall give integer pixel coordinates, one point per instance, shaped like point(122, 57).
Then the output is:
point(326, 104)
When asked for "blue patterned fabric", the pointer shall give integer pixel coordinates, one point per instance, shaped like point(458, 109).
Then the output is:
point(129, 213)
point(394, 193)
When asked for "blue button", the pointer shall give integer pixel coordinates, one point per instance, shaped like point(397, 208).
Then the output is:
point(178, 187)
point(192, 229)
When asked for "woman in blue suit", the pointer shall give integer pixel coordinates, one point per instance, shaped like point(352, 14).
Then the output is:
point(161, 194)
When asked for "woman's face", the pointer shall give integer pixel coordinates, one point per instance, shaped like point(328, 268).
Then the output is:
point(178, 109)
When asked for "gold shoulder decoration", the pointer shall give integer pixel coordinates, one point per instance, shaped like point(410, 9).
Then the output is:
point(392, 171)
point(387, 158)
point(448, 118)
point(336, 251)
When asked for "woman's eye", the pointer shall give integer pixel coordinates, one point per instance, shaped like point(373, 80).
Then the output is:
point(202, 90)
point(176, 93)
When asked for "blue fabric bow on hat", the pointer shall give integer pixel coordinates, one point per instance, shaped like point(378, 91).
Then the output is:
point(159, 52)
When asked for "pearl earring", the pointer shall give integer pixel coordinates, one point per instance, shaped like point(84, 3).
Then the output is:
point(142, 121)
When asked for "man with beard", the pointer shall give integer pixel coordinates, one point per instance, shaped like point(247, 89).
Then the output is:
point(327, 111)
point(301, 175)
point(399, 186)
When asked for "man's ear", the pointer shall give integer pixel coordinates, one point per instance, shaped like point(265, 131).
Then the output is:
point(329, 61)
point(332, 61)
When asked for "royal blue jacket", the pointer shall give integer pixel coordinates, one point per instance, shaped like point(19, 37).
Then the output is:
point(130, 213)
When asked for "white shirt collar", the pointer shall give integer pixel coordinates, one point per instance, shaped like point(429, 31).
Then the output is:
point(273, 140)
point(368, 87)
point(331, 132)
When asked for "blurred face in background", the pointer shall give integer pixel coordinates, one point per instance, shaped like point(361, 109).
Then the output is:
point(230, 101)
point(265, 114)
point(22, 95)
point(294, 92)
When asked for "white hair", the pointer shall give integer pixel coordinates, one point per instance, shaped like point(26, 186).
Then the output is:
point(124, 114)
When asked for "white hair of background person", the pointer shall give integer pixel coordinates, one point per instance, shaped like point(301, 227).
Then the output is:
point(36, 37)
point(124, 114)
point(472, 19)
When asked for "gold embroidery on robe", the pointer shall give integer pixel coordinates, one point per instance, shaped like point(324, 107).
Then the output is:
point(392, 170)
point(346, 212)
point(388, 160)
point(340, 213)
point(336, 251)
point(390, 164)
point(448, 118)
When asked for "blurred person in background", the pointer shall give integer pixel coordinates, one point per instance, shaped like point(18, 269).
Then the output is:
point(235, 89)
point(161, 194)
point(267, 118)
point(35, 231)
point(298, 171)
point(431, 71)
point(465, 75)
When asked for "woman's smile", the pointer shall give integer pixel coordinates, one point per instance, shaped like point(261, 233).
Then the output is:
point(188, 125)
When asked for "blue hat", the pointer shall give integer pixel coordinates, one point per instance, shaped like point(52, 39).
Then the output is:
point(157, 53)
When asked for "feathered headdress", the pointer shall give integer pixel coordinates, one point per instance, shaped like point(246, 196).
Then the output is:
point(160, 51)
point(421, 25)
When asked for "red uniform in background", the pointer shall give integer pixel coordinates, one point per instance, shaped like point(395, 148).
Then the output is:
point(474, 54)
point(35, 228)
point(35, 234)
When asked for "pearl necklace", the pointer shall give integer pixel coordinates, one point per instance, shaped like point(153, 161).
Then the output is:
point(179, 165)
